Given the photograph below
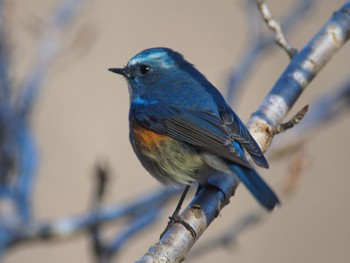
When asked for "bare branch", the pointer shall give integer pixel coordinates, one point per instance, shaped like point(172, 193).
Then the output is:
point(71, 226)
point(275, 26)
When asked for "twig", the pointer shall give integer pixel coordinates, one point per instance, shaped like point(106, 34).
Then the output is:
point(275, 26)
point(293, 121)
point(101, 180)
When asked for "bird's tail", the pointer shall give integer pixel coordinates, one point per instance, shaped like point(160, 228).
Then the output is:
point(256, 185)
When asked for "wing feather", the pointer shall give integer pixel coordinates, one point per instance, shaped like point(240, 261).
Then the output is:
point(202, 129)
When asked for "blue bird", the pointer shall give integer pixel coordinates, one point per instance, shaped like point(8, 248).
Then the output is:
point(181, 128)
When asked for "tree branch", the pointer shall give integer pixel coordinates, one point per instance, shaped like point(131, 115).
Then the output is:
point(72, 226)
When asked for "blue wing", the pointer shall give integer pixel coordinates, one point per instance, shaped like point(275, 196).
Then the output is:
point(202, 129)
point(239, 132)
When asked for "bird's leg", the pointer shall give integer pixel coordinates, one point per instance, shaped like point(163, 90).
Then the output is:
point(175, 217)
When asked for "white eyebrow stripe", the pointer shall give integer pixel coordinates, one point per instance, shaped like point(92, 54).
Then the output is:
point(152, 56)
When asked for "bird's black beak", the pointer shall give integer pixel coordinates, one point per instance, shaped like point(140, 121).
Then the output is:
point(121, 71)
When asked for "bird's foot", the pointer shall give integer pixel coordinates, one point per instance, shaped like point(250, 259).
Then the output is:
point(175, 218)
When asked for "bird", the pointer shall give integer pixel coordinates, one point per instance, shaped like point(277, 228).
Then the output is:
point(181, 128)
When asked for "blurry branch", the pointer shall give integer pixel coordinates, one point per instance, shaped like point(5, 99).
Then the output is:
point(18, 155)
point(145, 212)
point(259, 42)
point(50, 47)
point(6, 156)
point(275, 26)
point(102, 175)
point(69, 227)
point(207, 204)
point(47, 53)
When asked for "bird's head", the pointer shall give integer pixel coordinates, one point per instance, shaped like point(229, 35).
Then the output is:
point(148, 67)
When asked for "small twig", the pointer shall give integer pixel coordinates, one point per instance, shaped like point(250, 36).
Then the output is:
point(275, 26)
point(101, 181)
point(102, 174)
point(293, 121)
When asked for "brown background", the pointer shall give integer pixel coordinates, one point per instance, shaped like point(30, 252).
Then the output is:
point(81, 117)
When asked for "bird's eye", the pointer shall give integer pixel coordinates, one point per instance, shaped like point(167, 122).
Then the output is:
point(144, 69)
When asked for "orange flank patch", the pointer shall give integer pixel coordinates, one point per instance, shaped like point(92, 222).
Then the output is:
point(148, 138)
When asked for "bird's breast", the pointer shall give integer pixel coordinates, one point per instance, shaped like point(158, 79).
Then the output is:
point(168, 160)
point(147, 139)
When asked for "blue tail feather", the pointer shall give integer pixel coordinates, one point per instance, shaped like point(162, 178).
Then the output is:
point(256, 185)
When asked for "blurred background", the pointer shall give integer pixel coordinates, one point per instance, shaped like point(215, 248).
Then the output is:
point(81, 117)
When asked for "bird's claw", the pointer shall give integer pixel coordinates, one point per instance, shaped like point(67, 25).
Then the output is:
point(175, 218)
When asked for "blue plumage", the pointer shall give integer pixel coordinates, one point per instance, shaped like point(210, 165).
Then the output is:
point(181, 128)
